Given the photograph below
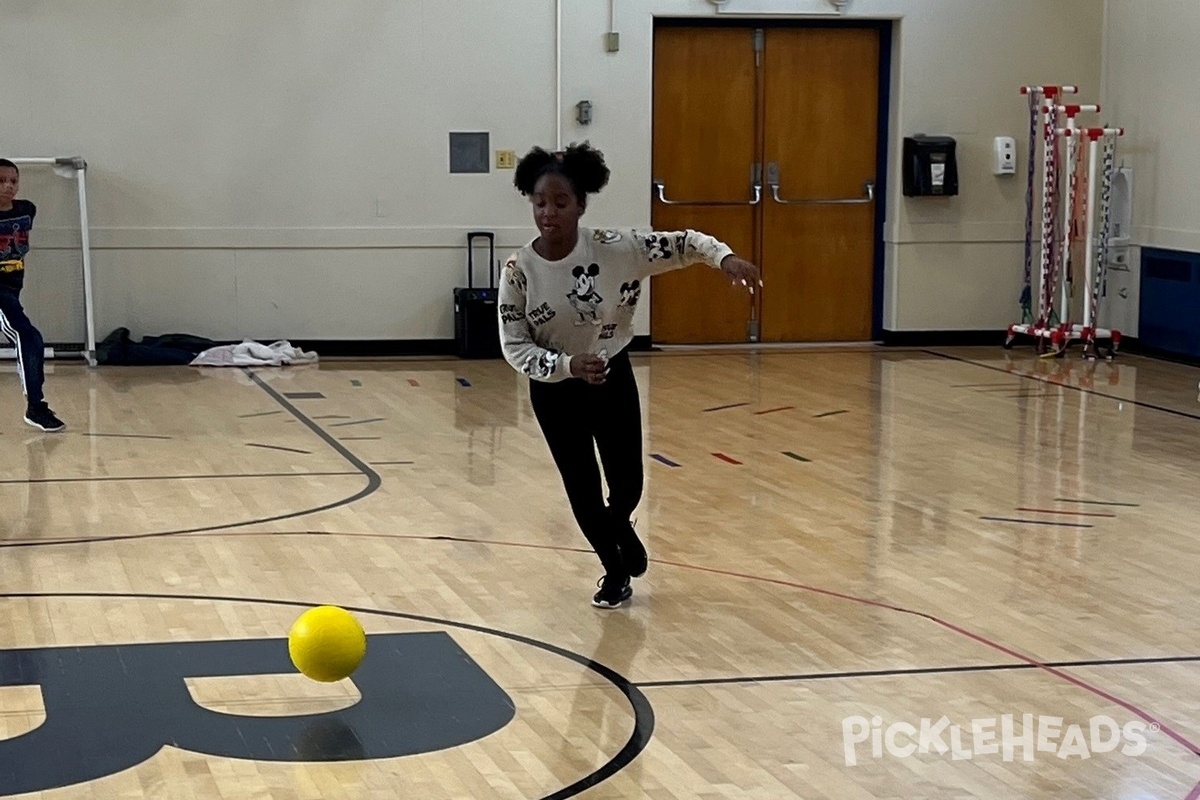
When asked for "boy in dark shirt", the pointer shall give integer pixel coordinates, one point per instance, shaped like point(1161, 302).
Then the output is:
point(16, 221)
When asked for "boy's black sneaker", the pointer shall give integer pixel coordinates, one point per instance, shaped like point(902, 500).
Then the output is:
point(42, 418)
point(613, 592)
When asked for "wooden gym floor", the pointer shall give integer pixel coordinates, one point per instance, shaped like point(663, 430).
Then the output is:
point(844, 543)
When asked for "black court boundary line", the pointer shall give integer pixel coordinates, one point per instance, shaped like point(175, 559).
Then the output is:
point(278, 447)
point(136, 478)
point(356, 422)
point(374, 481)
point(1096, 502)
point(643, 711)
point(1038, 522)
point(899, 673)
point(1039, 379)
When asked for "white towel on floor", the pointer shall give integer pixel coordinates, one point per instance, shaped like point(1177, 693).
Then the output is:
point(254, 354)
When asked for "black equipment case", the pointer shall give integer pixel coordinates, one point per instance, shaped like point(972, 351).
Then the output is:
point(476, 324)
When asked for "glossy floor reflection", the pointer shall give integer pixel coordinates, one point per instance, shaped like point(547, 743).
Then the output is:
point(848, 546)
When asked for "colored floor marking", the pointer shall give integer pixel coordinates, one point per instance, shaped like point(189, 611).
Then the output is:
point(389, 463)
point(725, 408)
point(796, 456)
point(361, 438)
point(127, 436)
point(464, 382)
point(976, 385)
point(304, 395)
point(829, 414)
point(773, 410)
point(816, 676)
point(411, 382)
point(1095, 502)
point(1038, 522)
point(332, 416)
point(277, 447)
point(356, 383)
point(259, 414)
point(727, 459)
point(1067, 513)
point(663, 460)
point(356, 422)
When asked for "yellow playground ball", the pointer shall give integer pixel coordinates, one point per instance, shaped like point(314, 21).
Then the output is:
point(327, 644)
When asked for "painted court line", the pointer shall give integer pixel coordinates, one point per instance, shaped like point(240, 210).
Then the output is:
point(127, 436)
point(977, 385)
point(1095, 502)
point(411, 382)
point(356, 383)
point(663, 460)
point(894, 673)
point(1038, 522)
point(727, 459)
point(356, 422)
point(259, 414)
point(1066, 513)
point(829, 414)
point(725, 408)
point(277, 447)
point(773, 410)
point(464, 382)
point(796, 456)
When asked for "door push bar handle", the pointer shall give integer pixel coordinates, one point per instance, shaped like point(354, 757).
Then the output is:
point(755, 184)
point(661, 188)
point(868, 189)
point(773, 181)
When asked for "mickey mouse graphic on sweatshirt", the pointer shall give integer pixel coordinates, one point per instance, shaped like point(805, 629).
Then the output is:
point(551, 311)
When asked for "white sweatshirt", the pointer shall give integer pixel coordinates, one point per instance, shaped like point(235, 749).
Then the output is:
point(553, 310)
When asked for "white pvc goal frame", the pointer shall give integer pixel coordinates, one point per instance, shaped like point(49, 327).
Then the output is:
point(75, 167)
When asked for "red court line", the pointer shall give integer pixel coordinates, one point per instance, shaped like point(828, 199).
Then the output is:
point(773, 410)
point(1067, 513)
point(727, 459)
point(994, 645)
point(411, 382)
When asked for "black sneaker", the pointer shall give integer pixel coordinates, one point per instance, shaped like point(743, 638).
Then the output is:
point(612, 592)
point(42, 418)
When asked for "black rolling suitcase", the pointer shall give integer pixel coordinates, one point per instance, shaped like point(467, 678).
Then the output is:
point(476, 326)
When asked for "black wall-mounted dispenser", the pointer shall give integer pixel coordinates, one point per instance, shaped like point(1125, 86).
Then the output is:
point(930, 166)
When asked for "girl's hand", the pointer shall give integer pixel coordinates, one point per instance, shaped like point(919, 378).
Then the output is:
point(592, 369)
point(741, 271)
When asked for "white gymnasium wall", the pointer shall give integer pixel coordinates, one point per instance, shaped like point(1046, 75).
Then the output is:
point(1150, 64)
point(279, 168)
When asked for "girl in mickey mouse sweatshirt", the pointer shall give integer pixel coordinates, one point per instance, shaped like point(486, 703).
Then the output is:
point(567, 302)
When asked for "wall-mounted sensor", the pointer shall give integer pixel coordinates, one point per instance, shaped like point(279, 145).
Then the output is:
point(1006, 156)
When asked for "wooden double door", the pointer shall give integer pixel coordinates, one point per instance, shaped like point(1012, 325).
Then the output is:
point(767, 138)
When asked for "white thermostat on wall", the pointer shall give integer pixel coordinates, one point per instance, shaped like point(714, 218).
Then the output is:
point(1006, 156)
